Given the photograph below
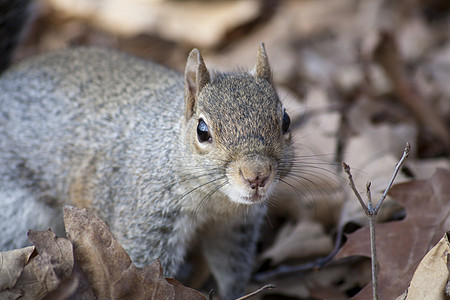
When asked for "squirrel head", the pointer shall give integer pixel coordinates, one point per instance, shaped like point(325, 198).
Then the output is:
point(235, 124)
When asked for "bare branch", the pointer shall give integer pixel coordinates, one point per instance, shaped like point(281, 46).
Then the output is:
point(266, 287)
point(352, 185)
point(397, 169)
point(369, 199)
point(372, 213)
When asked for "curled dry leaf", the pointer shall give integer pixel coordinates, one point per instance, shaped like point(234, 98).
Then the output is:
point(402, 244)
point(26, 287)
point(108, 267)
point(11, 266)
point(34, 278)
point(432, 274)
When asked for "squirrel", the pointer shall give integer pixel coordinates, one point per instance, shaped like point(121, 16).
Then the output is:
point(166, 160)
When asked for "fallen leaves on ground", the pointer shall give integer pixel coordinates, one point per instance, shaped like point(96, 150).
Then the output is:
point(349, 100)
point(109, 268)
point(50, 267)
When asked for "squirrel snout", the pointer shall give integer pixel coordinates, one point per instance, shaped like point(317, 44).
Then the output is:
point(256, 178)
point(256, 181)
point(250, 179)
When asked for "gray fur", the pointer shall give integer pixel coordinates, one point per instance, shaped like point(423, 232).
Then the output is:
point(103, 130)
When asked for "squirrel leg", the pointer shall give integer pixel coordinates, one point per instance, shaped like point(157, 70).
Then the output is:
point(230, 255)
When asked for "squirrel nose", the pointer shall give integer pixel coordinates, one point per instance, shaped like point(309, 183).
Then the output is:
point(255, 180)
point(258, 181)
point(255, 171)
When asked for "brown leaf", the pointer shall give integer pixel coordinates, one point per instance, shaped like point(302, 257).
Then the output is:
point(182, 292)
point(34, 278)
point(108, 267)
point(27, 286)
point(44, 271)
point(402, 244)
point(11, 266)
point(58, 249)
point(66, 289)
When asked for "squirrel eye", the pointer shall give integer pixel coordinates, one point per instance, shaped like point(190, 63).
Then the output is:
point(203, 132)
point(286, 123)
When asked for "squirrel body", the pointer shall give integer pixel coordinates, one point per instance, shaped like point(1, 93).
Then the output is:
point(166, 160)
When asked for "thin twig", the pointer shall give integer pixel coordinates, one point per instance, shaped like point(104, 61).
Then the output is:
point(396, 170)
point(284, 270)
point(371, 213)
point(266, 287)
point(373, 255)
point(373, 249)
point(352, 185)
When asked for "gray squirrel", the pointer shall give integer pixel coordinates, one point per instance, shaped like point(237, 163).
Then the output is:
point(168, 161)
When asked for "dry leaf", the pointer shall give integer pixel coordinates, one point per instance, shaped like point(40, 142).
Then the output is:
point(203, 24)
point(66, 289)
point(42, 273)
point(11, 266)
point(304, 239)
point(432, 274)
point(58, 249)
point(27, 286)
point(108, 267)
point(401, 245)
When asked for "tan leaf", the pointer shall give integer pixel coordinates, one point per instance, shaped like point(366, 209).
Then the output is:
point(402, 244)
point(27, 286)
point(203, 23)
point(11, 266)
point(299, 240)
point(432, 274)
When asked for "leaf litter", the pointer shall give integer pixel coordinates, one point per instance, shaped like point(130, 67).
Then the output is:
point(346, 103)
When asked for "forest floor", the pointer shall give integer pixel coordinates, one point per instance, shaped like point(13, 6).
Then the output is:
point(360, 79)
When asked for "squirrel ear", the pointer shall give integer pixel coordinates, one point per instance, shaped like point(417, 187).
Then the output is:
point(196, 77)
point(262, 64)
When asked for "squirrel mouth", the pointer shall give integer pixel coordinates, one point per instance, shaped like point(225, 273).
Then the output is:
point(255, 198)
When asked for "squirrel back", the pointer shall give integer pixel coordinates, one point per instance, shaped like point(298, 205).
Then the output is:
point(166, 160)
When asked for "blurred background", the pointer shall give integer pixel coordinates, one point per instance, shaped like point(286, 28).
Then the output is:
point(360, 78)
